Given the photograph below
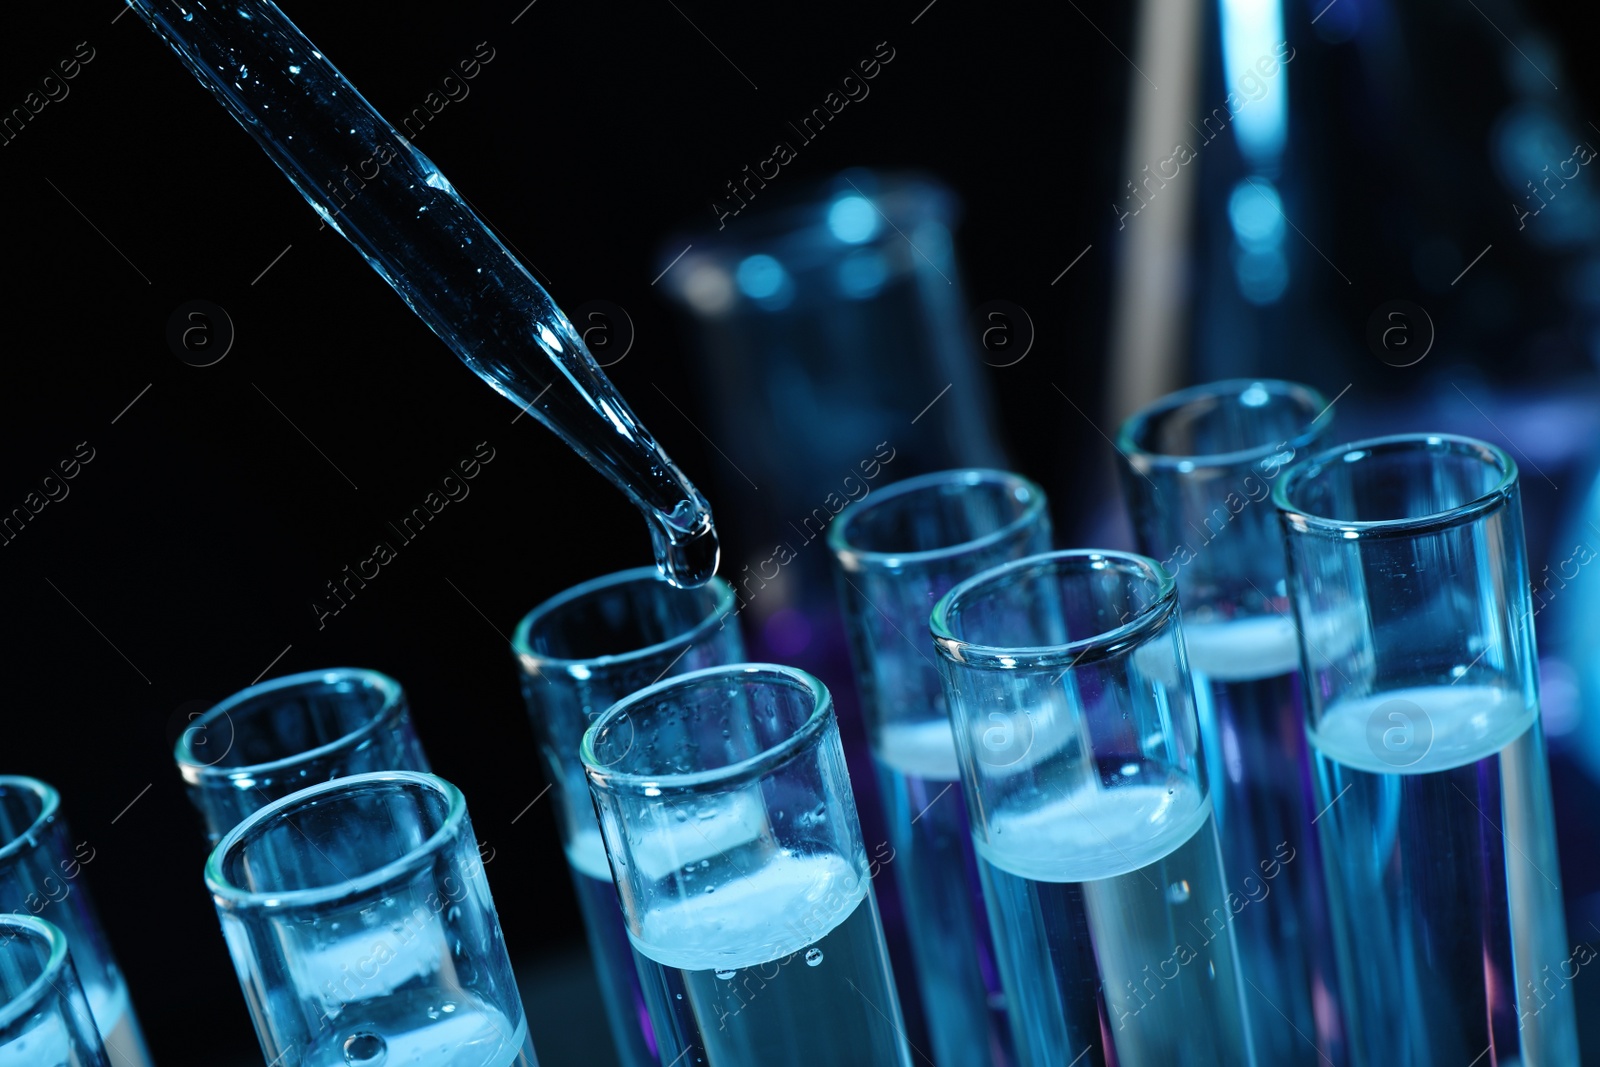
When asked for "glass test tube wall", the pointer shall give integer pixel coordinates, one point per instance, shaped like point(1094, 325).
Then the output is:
point(41, 875)
point(769, 949)
point(1198, 467)
point(1092, 813)
point(1409, 580)
point(271, 739)
point(44, 1016)
point(580, 652)
point(360, 923)
point(897, 553)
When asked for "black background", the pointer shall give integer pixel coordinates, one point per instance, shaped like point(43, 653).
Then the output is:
point(185, 560)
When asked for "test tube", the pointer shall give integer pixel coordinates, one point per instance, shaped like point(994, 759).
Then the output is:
point(728, 820)
point(898, 551)
point(1198, 468)
point(44, 1016)
point(1091, 813)
point(269, 740)
point(582, 651)
point(1410, 584)
point(359, 919)
point(42, 876)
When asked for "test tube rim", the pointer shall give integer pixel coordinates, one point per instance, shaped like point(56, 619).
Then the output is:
point(855, 559)
point(534, 662)
point(1301, 521)
point(394, 703)
point(232, 897)
point(730, 775)
point(1144, 460)
point(49, 811)
point(20, 1005)
point(1117, 641)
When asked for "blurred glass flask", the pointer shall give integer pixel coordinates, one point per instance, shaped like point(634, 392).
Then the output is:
point(827, 322)
point(582, 651)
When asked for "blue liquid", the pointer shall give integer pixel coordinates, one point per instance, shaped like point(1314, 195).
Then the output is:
point(783, 968)
point(1115, 935)
point(420, 1026)
point(1247, 688)
point(935, 869)
point(1451, 934)
point(612, 952)
point(118, 1028)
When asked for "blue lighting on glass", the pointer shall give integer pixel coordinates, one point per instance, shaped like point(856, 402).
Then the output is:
point(853, 219)
point(760, 277)
point(1256, 213)
point(1263, 276)
point(862, 274)
point(1257, 82)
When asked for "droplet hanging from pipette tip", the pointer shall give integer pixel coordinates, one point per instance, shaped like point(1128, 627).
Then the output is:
point(686, 558)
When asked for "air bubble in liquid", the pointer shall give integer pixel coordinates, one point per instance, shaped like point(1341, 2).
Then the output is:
point(365, 1049)
point(813, 957)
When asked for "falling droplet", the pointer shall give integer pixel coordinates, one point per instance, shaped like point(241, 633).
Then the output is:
point(1178, 892)
point(680, 996)
point(813, 957)
point(365, 1050)
point(725, 975)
